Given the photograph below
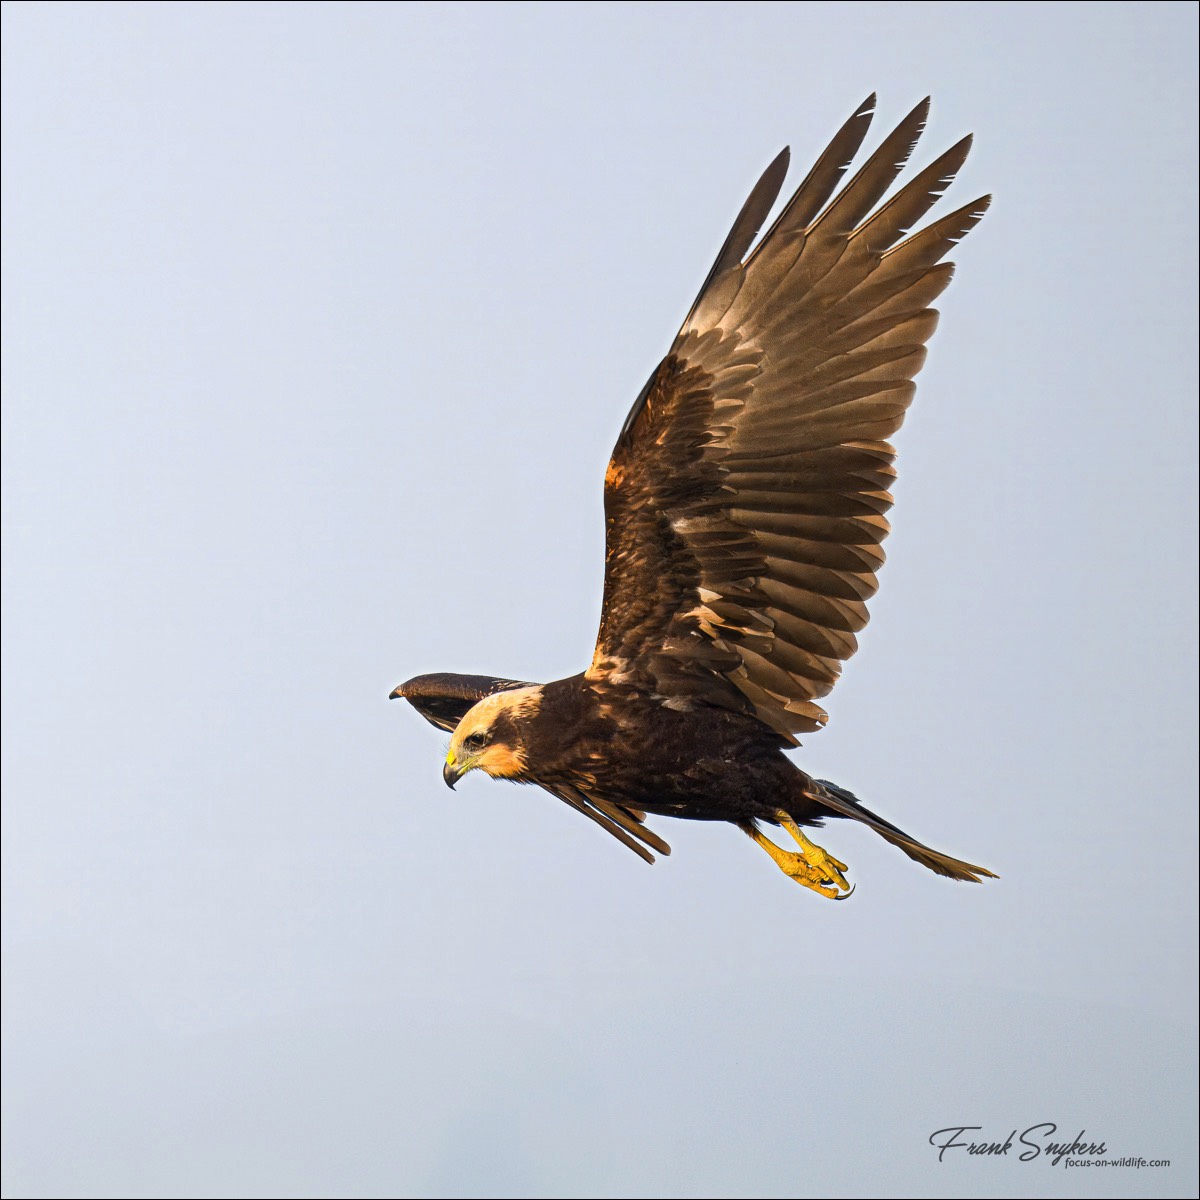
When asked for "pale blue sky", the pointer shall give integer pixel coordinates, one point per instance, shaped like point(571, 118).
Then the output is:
point(320, 323)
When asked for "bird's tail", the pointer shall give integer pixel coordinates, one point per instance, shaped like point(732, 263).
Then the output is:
point(847, 804)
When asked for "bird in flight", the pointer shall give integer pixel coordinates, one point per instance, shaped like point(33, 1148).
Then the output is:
point(744, 507)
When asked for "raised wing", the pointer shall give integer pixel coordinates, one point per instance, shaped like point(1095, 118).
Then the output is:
point(745, 498)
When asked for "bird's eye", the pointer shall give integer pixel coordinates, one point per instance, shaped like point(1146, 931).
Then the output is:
point(476, 741)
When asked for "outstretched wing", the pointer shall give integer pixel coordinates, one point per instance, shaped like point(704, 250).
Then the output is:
point(443, 699)
point(745, 498)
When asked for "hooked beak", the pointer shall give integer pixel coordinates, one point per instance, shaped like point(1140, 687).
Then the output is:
point(452, 772)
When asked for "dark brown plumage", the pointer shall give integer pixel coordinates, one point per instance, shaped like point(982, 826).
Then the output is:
point(745, 504)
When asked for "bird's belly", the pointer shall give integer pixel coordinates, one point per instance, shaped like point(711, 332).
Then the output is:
point(717, 785)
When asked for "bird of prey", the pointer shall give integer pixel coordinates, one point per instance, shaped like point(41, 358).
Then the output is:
point(744, 505)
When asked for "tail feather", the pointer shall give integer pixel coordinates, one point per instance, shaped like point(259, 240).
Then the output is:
point(847, 804)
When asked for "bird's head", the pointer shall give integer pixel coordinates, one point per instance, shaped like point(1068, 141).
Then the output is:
point(492, 736)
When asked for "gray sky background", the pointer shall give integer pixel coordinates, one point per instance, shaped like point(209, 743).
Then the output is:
point(321, 322)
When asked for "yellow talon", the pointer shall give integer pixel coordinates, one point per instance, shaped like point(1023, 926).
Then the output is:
point(811, 867)
point(814, 855)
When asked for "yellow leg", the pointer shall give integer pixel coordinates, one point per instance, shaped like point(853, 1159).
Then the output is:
point(812, 867)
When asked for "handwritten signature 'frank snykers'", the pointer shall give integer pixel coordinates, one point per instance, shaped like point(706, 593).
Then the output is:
point(1034, 1139)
